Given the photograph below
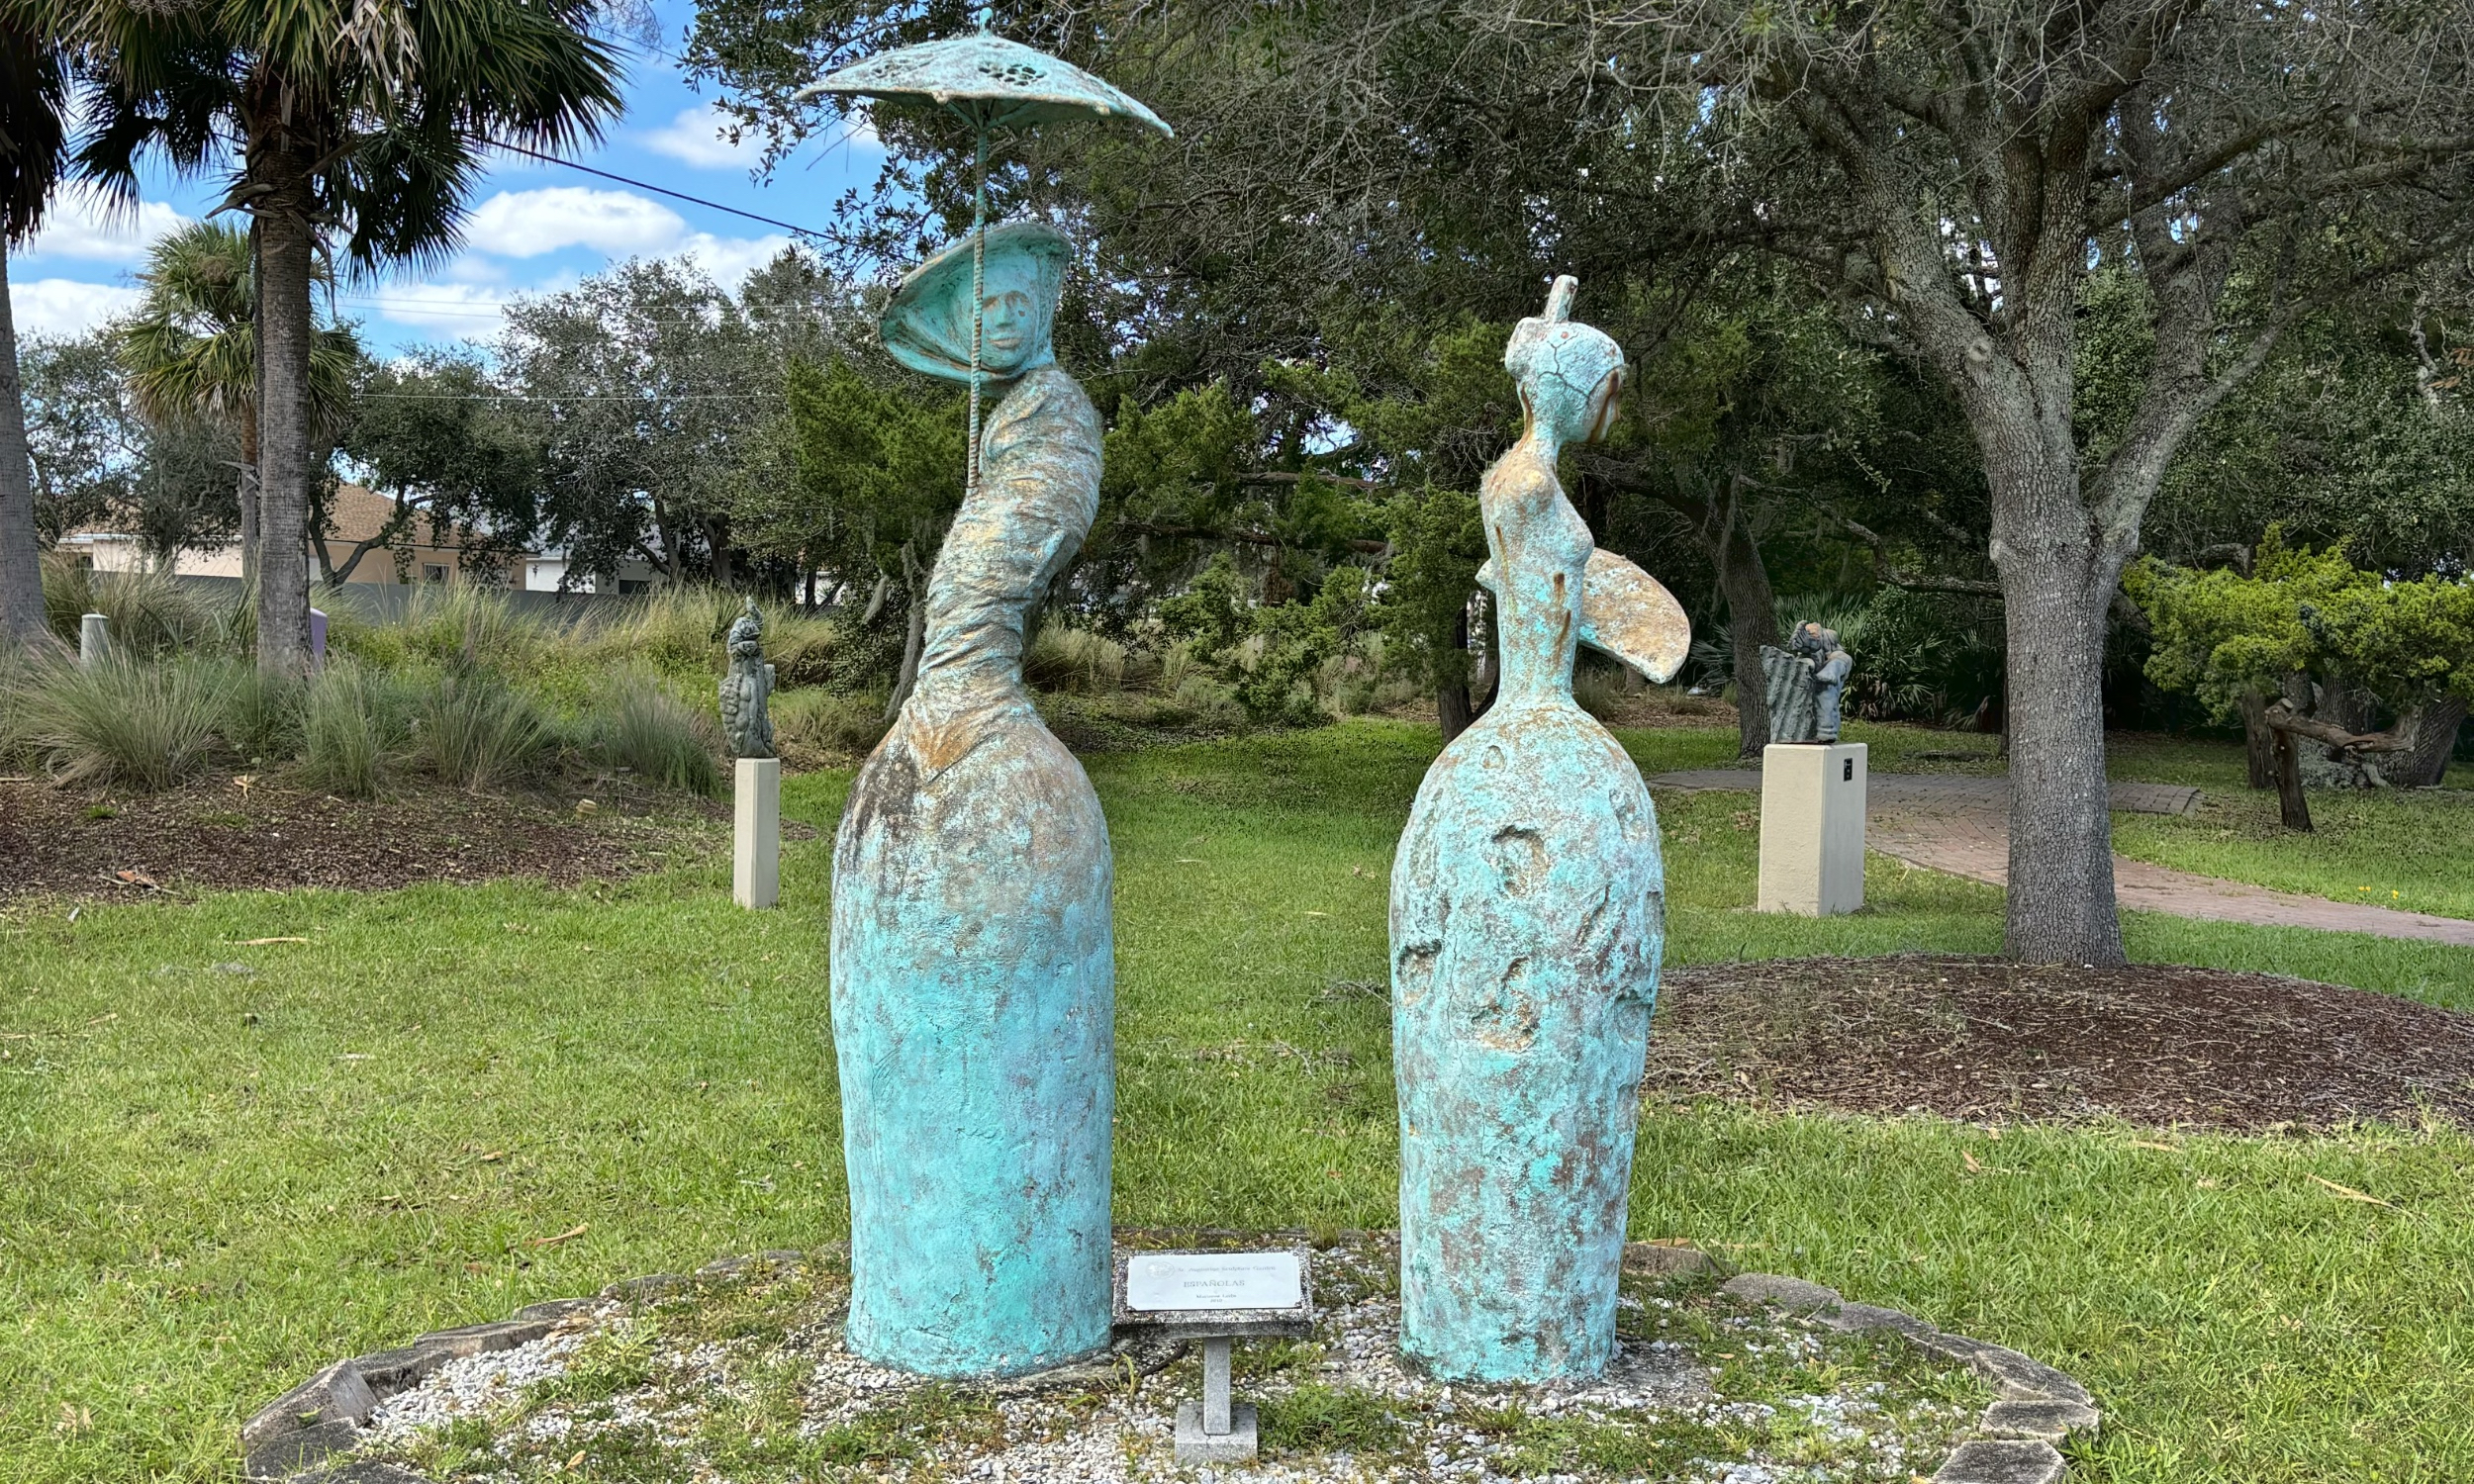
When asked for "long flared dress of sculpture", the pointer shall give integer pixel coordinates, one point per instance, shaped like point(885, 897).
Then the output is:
point(973, 962)
point(1527, 918)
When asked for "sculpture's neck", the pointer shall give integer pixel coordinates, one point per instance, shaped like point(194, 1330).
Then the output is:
point(1541, 548)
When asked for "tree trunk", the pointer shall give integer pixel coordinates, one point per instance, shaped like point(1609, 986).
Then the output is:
point(21, 550)
point(285, 270)
point(1454, 705)
point(2432, 731)
point(914, 598)
point(252, 473)
point(2258, 741)
point(2056, 586)
point(2291, 806)
point(1752, 621)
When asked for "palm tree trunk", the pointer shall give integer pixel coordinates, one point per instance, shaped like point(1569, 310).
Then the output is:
point(21, 552)
point(285, 266)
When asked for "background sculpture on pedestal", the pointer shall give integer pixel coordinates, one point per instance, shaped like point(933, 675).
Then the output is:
point(1804, 682)
point(747, 687)
point(1527, 918)
point(972, 956)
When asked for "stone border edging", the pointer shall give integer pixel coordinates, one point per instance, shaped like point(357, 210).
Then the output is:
point(292, 1437)
point(289, 1439)
point(2018, 1438)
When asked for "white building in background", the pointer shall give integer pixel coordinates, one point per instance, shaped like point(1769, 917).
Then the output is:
point(545, 571)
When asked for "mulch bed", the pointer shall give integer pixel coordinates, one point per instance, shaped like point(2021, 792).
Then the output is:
point(97, 845)
point(1985, 1040)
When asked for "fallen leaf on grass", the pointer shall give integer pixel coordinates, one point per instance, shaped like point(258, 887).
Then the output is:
point(2149, 1144)
point(578, 1460)
point(262, 942)
point(136, 878)
point(2351, 1194)
point(492, 1157)
point(571, 1234)
point(1968, 1155)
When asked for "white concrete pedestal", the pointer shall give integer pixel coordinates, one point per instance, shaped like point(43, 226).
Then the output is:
point(94, 639)
point(756, 839)
point(1812, 828)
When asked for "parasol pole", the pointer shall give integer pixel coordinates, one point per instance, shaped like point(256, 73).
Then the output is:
point(979, 302)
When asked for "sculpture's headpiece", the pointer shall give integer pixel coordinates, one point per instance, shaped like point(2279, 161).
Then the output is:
point(1558, 362)
point(926, 325)
point(746, 636)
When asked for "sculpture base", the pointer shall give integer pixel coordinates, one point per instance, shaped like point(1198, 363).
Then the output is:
point(1195, 1445)
point(756, 838)
point(1812, 828)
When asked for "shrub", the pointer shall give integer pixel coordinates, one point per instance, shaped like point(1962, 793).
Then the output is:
point(648, 731)
point(820, 726)
point(146, 725)
point(474, 729)
point(353, 725)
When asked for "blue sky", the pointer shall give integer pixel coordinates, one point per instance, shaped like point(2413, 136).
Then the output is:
point(533, 227)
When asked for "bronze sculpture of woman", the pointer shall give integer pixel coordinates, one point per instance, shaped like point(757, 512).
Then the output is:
point(1527, 918)
point(973, 958)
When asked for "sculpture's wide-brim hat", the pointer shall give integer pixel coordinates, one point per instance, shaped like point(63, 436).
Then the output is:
point(926, 325)
point(990, 81)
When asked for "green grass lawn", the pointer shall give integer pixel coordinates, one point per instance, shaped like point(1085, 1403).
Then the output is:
point(217, 1180)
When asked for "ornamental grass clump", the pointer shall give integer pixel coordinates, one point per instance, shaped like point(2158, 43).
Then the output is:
point(149, 613)
point(474, 731)
point(648, 731)
point(141, 725)
point(354, 724)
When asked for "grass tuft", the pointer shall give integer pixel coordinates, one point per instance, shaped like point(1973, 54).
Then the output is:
point(131, 723)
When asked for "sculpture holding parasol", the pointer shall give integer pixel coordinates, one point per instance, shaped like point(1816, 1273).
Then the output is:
point(989, 83)
point(972, 950)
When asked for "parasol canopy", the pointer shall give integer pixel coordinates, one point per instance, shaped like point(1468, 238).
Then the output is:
point(989, 82)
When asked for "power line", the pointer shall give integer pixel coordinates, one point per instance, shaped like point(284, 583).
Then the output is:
point(552, 159)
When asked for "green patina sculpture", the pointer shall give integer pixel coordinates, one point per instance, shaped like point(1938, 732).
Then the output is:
point(973, 952)
point(747, 687)
point(1527, 916)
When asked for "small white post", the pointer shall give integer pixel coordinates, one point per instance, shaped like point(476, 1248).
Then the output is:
point(756, 848)
point(94, 639)
point(1812, 828)
point(1215, 1386)
point(317, 638)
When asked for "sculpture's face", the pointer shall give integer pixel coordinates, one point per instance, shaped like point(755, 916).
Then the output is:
point(1008, 333)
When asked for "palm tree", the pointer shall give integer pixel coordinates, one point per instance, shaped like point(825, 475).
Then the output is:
point(33, 92)
point(191, 352)
point(366, 118)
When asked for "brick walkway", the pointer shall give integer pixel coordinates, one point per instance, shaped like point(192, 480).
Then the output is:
point(1961, 824)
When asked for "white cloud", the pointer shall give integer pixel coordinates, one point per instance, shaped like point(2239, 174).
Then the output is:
point(527, 223)
point(63, 307)
point(731, 259)
point(80, 225)
point(701, 136)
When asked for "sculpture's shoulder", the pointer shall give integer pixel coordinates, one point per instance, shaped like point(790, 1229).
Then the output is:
point(1521, 475)
point(1046, 404)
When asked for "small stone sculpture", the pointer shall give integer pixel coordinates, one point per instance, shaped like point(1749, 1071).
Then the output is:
point(1803, 682)
point(747, 687)
point(973, 952)
point(1527, 918)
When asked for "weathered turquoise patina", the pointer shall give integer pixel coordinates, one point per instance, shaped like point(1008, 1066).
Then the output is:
point(1527, 919)
point(973, 960)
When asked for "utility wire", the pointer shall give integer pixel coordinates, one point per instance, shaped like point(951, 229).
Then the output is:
point(552, 159)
